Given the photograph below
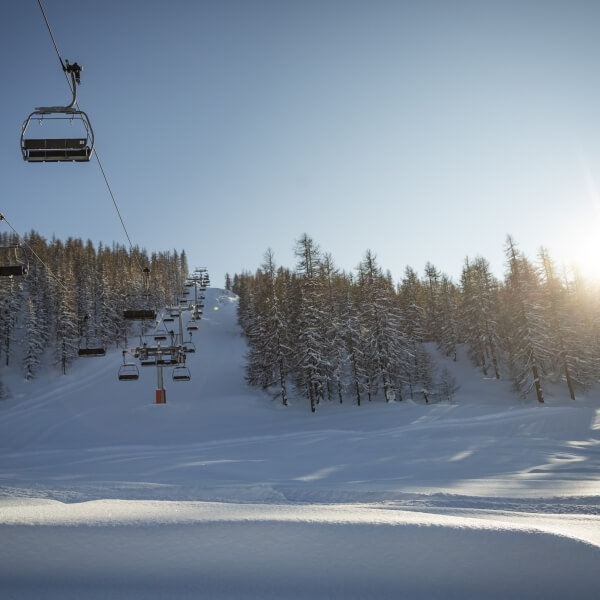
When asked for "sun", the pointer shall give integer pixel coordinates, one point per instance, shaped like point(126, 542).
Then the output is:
point(580, 247)
point(584, 255)
point(580, 251)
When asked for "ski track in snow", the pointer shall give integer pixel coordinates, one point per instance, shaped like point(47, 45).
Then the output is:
point(223, 493)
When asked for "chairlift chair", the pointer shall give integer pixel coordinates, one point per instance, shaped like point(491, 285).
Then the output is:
point(139, 314)
point(89, 345)
point(128, 372)
point(92, 351)
point(60, 149)
point(13, 261)
point(140, 308)
point(189, 347)
point(181, 373)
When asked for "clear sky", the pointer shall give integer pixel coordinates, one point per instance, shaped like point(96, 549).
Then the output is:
point(424, 131)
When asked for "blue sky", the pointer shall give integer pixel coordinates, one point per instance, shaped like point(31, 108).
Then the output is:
point(424, 131)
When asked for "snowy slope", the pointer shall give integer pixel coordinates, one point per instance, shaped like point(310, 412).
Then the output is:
point(223, 493)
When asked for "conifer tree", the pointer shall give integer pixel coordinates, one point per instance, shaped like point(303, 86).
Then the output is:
point(308, 325)
point(432, 307)
point(386, 344)
point(268, 359)
point(410, 300)
point(34, 341)
point(479, 312)
point(448, 317)
point(528, 342)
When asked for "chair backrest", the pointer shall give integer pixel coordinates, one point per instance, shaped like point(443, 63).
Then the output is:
point(55, 143)
point(92, 352)
point(13, 270)
point(139, 314)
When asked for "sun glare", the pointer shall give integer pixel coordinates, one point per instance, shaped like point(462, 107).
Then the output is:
point(580, 248)
point(583, 253)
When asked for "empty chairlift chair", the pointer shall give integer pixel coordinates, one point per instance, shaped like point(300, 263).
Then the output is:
point(89, 345)
point(59, 148)
point(189, 347)
point(139, 306)
point(139, 314)
point(128, 371)
point(181, 373)
point(91, 350)
point(12, 262)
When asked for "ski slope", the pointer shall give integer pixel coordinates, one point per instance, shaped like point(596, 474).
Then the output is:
point(224, 493)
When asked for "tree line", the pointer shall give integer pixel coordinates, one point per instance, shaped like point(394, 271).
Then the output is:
point(334, 335)
point(74, 295)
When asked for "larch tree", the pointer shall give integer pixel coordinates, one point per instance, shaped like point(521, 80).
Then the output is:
point(310, 363)
point(528, 340)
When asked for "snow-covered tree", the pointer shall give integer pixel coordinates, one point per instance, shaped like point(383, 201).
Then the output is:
point(528, 343)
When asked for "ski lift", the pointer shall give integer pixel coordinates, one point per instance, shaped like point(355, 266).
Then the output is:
point(139, 314)
point(192, 325)
point(189, 347)
point(128, 371)
point(13, 262)
point(91, 346)
point(181, 373)
point(140, 309)
point(60, 149)
point(91, 349)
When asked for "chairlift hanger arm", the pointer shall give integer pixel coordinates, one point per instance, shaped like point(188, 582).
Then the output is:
point(75, 71)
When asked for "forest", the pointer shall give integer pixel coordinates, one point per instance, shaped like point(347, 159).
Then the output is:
point(340, 336)
point(74, 295)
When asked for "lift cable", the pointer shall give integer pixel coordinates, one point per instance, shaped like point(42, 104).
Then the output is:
point(114, 201)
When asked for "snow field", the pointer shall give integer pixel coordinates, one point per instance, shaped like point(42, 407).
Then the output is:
point(223, 493)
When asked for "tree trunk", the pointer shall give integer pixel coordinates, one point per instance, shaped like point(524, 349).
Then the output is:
point(538, 385)
point(569, 380)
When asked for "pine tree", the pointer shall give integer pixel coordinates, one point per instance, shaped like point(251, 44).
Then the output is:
point(432, 308)
point(267, 335)
point(448, 317)
point(479, 313)
point(310, 363)
point(354, 344)
point(558, 320)
point(386, 345)
point(410, 300)
point(528, 340)
point(34, 341)
point(66, 325)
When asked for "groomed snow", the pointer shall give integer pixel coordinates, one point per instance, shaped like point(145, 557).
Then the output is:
point(224, 493)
